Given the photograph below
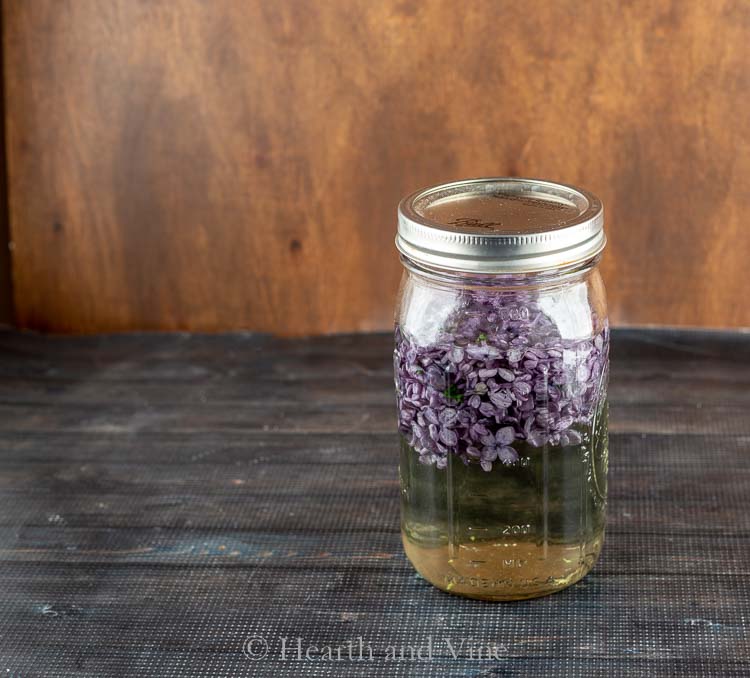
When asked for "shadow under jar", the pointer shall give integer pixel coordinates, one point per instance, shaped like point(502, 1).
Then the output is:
point(501, 364)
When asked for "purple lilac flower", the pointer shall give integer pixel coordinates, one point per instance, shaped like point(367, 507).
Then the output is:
point(498, 377)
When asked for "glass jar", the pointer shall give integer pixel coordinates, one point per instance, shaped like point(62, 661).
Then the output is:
point(501, 364)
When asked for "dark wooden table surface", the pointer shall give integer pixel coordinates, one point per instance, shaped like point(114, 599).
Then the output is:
point(165, 498)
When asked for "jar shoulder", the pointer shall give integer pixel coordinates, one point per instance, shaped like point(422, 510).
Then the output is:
point(429, 311)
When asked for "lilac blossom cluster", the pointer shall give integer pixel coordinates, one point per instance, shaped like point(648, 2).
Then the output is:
point(502, 374)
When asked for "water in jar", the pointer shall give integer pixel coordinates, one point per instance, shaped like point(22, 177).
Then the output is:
point(522, 530)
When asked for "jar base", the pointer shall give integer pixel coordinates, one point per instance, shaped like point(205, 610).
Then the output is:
point(502, 571)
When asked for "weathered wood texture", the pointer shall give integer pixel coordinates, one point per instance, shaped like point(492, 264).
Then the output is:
point(6, 293)
point(163, 498)
point(212, 165)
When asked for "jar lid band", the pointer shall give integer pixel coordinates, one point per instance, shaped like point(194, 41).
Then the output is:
point(500, 225)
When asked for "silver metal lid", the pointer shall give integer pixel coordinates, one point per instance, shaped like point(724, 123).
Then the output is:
point(500, 225)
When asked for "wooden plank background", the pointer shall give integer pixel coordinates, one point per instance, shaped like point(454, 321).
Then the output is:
point(6, 295)
point(199, 165)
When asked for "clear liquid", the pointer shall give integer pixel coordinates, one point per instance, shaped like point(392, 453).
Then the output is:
point(518, 531)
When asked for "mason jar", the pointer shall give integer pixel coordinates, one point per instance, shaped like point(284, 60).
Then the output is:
point(501, 364)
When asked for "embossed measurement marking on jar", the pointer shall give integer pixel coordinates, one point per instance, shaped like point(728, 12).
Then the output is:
point(518, 529)
point(477, 582)
point(514, 313)
point(453, 580)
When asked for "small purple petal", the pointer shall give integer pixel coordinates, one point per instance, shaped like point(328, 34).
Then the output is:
point(505, 436)
point(522, 388)
point(515, 355)
point(489, 453)
point(507, 455)
point(487, 409)
point(479, 430)
point(501, 399)
point(473, 452)
point(448, 416)
point(537, 438)
point(449, 437)
point(457, 354)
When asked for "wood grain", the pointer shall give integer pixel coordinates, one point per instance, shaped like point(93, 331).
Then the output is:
point(153, 515)
point(6, 284)
point(213, 165)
